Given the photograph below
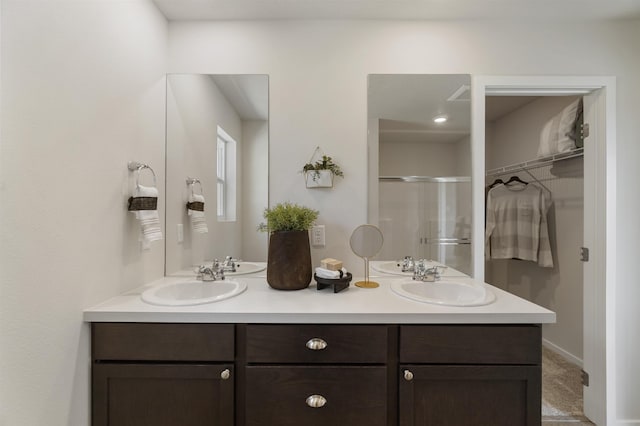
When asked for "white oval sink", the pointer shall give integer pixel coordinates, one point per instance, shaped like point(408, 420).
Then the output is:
point(192, 292)
point(243, 268)
point(391, 267)
point(445, 292)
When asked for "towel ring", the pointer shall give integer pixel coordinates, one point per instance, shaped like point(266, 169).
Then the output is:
point(191, 183)
point(135, 166)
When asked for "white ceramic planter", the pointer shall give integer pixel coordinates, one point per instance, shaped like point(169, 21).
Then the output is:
point(319, 178)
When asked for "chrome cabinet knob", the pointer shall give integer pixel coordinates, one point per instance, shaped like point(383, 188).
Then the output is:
point(225, 374)
point(316, 401)
point(408, 375)
point(316, 344)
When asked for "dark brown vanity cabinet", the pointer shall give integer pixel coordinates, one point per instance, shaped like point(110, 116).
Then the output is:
point(470, 375)
point(162, 374)
point(315, 374)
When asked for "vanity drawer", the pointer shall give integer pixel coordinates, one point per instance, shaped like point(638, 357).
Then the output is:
point(317, 343)
point(320, 395)
point(471, 344)
point(163, 342)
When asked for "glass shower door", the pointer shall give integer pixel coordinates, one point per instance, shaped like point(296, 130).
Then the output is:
point(447, 230)
point(427, 218)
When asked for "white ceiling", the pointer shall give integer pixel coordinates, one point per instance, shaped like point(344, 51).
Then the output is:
point(247, 93)
point(405, 105)
point(399, 9)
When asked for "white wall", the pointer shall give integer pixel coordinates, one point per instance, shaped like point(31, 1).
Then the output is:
point(515, 138)
point(82, 94)
point(195, 109)
point(419, 158)
point(318, 96)
point(255, 188)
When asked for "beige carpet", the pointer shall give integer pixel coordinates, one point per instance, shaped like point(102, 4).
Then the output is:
point(561, 391)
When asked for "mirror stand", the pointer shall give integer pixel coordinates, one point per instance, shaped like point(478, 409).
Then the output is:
point(366, 241)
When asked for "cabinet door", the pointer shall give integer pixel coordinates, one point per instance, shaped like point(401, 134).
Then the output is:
point(470, 395)
point(316, 396)
point(162, 395)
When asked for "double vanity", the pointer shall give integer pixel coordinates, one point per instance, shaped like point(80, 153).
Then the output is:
point(315, 357)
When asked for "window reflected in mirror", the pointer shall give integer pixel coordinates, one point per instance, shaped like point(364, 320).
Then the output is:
point(217, 132)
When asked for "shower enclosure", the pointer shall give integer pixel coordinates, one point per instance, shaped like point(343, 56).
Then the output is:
point(427, 218)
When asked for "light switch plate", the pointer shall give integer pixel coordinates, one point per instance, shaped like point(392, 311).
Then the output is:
point(180, 232)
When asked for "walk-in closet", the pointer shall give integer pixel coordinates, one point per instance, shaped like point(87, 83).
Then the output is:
point(534, 227)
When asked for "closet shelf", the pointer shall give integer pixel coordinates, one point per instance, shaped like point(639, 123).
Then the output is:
point(538, 162)
point(436, 179)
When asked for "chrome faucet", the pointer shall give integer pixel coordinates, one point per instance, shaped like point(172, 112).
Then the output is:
point(229, 264)
point(422, 273)
point(212, 273)
point(407, 264)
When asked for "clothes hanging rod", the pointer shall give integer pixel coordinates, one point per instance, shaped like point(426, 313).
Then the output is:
point(538, 162)
point(436, 179)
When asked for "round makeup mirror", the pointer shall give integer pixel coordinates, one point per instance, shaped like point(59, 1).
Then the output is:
point(366, 241)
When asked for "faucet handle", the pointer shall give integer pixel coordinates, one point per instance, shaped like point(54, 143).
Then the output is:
point(440, 269)
point(435, 271)
point(219, 273)
point(430, 274)
point(205, 273)
point(408, 264)
point(200, 272)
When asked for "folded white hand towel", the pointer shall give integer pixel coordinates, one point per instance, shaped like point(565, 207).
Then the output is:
point(149, 219)
point(198, 220)
point(326, 273)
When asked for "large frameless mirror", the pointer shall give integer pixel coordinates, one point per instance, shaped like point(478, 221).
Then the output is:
point(419, 129)
point(217, 150)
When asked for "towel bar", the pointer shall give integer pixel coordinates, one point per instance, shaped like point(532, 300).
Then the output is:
point(135, 166)
point(191, 183)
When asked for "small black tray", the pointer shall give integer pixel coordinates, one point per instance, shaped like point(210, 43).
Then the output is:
point(338, 284)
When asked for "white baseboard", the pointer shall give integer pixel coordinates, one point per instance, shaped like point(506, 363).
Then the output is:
point(564, 354)
point(627, 422)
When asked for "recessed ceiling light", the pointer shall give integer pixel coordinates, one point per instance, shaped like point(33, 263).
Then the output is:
point(440, 119)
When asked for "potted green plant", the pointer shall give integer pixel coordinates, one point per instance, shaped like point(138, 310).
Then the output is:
point(319, 174)
point(289, 257)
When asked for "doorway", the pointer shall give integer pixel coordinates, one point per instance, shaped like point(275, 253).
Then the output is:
point(530, 164)
point(599, 205)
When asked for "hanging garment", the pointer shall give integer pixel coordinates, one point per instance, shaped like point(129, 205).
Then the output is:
point(516, 224)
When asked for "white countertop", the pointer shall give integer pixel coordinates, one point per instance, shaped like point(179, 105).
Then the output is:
point(262, 304)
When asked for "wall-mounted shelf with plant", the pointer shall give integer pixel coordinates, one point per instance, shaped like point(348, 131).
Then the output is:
point(320, 170)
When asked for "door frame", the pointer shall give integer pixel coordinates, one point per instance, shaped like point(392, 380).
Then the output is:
point(599, 297)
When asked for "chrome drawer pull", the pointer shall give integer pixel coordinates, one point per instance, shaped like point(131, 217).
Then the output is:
point(408, 375)
point(225, 374)
point(316, 401)
point(316, 344)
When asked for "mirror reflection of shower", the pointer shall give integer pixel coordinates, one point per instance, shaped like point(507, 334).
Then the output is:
point(420, 165)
